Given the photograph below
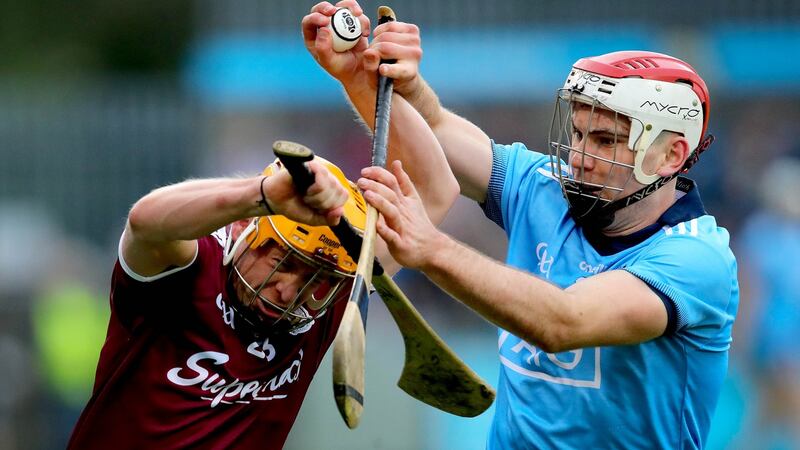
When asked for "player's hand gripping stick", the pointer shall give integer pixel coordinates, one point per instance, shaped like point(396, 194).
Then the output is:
point(432, 372)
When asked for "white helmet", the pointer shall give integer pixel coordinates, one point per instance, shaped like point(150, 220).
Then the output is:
point(655, 92)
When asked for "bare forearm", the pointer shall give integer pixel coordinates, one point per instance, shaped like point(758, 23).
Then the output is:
point(412, 142)
point(611, 308)
point(423, 98)
point(466, 147)
point(194, 208)
point(515, 301)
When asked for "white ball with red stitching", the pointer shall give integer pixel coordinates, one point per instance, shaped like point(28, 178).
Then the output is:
point(346, 30)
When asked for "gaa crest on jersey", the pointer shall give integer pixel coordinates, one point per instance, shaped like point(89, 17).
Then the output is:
point(579, 368)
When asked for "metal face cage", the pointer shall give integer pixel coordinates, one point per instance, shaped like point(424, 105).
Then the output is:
point(319, 289)
point(589, 194)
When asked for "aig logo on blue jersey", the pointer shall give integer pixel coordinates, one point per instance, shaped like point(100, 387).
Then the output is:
point(580, 368)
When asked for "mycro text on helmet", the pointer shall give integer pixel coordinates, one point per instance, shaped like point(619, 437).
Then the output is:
point(688, 113)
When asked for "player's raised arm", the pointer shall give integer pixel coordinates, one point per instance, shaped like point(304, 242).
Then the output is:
point(163, 225)
point(410, 139)
point(466, 146)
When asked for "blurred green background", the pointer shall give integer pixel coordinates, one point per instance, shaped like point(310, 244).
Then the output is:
point(100, 102)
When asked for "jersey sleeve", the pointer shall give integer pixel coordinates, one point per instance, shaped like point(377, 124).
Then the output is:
point(512, 181)
point(134, 297)
point(699, 276)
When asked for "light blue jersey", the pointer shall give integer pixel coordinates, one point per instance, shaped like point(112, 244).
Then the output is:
point(657, 394)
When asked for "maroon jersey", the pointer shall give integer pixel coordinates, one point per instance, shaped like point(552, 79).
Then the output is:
point(176, 371)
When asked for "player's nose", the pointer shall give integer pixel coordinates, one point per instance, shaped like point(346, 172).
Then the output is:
point(288, 286)
point(581, 158)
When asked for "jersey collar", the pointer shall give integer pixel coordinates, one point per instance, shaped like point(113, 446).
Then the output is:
point(689, 206)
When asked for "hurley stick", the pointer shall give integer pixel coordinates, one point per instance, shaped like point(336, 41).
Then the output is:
point(350, 342)
point(432, 372)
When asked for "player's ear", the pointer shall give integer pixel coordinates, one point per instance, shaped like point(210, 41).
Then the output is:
point(676, 152)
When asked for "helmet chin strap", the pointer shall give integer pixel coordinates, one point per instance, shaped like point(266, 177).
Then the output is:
point(587, 214)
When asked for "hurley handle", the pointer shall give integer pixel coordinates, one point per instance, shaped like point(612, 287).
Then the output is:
point(294, 157)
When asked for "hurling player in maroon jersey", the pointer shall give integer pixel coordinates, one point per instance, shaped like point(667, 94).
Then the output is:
point(225, 296)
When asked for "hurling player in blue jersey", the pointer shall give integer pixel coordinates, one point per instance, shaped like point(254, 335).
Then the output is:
point(619, 292)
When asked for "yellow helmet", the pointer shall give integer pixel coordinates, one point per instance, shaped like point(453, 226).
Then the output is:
point(311, 250)
point(317, 243)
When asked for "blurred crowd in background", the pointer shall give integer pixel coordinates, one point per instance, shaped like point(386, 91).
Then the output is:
point(100, 102)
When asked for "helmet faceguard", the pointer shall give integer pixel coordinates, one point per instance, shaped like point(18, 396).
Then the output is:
point(309, 261)
point(651, 93)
